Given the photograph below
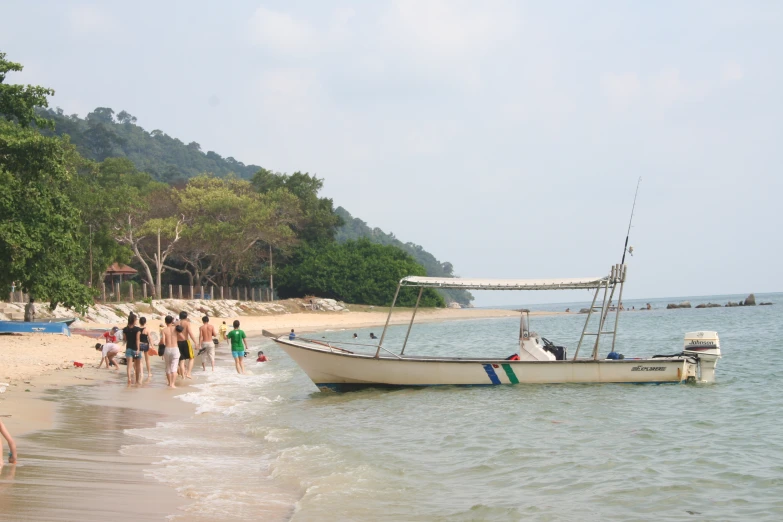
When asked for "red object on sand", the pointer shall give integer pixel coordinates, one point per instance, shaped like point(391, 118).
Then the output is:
point(78, 364)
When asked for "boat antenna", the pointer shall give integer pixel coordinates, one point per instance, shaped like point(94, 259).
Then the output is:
point(628, 234)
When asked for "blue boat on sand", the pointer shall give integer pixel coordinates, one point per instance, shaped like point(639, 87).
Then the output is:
point(22, 327)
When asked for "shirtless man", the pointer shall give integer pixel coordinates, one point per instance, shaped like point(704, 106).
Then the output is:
point(185, 346)
point(171, 351)
point(205, 335)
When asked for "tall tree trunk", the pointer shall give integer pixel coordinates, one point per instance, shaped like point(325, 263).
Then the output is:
point(271, 276)
point(159, 268)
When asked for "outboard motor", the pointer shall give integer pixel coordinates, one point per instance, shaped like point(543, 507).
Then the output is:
point(705, 346)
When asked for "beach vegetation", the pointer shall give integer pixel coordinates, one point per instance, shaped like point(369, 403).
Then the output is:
point(355, 272)
point(82, 193)
point(40, 249)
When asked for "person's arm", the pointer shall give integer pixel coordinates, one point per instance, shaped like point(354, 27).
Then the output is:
point(190, 333)
point(11, 444)
point(244, 339)
point(103, 358)
point(138, 340)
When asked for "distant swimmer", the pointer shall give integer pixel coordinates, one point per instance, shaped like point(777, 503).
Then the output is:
point(355, 336)
point(372, 336)
point(262, 357)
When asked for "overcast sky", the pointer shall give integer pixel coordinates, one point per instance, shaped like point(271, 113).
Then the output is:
point(505, 137)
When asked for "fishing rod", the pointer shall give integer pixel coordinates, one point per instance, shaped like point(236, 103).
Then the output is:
point(628, 234)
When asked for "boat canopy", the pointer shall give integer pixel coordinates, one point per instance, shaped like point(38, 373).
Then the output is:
point(506, 284)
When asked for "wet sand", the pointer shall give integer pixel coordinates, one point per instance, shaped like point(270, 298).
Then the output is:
point(70, 461)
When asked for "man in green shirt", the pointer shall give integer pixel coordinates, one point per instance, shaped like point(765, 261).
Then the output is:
point(238, 341)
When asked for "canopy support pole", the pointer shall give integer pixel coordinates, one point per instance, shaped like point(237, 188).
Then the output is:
point(604, 312)
point(415, 309)
point(587, 321)
point(619, 302)
point(388, 318)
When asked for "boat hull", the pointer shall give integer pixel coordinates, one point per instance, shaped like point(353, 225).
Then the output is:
point(340, 371)
point(37, 327)
point(68, 321)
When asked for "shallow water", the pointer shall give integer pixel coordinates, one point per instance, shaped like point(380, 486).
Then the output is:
point(269, 446)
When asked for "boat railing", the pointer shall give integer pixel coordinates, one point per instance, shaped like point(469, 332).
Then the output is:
point(332, 345)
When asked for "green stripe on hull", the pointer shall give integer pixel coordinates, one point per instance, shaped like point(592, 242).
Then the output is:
point(510, 372)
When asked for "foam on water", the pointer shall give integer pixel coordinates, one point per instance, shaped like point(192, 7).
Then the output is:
point(269, 446)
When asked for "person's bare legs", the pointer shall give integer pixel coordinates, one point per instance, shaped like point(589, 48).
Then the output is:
point(11, 445)
point(137, 368)
point(112, 362)
point(237, 360)
point(129, 362)
point(147, 363)
point(189, 375)
point(241, 362)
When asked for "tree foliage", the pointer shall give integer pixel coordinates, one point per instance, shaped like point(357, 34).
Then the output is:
point(320, 221)
point(39, 225)
point(102, 134)
point(80, 194)
point(354, 271)
point(354, 228)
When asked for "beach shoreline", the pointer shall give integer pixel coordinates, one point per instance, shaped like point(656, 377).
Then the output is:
point(47, 398)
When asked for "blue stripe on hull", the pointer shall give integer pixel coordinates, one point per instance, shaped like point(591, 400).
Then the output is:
point(491, 373)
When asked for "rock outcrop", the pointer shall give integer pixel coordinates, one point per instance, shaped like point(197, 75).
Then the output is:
point(708, 305)
point(684, 304)
point(750, 300)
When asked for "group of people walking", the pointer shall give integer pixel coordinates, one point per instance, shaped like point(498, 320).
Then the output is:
point(175, 345)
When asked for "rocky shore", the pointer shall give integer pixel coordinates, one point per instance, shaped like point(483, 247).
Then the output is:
point(749, 301)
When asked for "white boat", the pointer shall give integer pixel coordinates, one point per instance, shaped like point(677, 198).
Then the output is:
point(338, 366)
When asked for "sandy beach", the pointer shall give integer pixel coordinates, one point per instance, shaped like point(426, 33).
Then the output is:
point(70, 423)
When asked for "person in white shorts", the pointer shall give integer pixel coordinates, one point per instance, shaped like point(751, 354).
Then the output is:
point(170, 352)
point(206, 334)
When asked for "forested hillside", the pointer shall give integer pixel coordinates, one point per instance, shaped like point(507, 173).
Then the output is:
point(104, 134)
point(106, 137)
point(354, 228)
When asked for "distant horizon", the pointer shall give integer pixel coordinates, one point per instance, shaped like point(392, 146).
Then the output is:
point(674, 299)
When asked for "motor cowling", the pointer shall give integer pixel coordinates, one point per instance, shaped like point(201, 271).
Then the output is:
point(706, 347)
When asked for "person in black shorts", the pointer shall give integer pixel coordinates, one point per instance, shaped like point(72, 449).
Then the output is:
point(185, 346)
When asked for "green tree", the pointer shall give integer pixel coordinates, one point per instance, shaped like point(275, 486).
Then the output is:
point(355, 272)
point(39, 224)
point(320, 221)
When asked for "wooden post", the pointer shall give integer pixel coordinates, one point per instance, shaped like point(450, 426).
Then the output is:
point(180, 291)
point(103, 285)
point(117, 291)
point(130, 291)
point(191, 291)
point(221, 293)
point(171, 291)
point(212, 292)
point(144, 290)
point(202, 292)
point(245, 293)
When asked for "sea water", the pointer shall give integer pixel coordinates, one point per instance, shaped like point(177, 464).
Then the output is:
point(270, 446)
